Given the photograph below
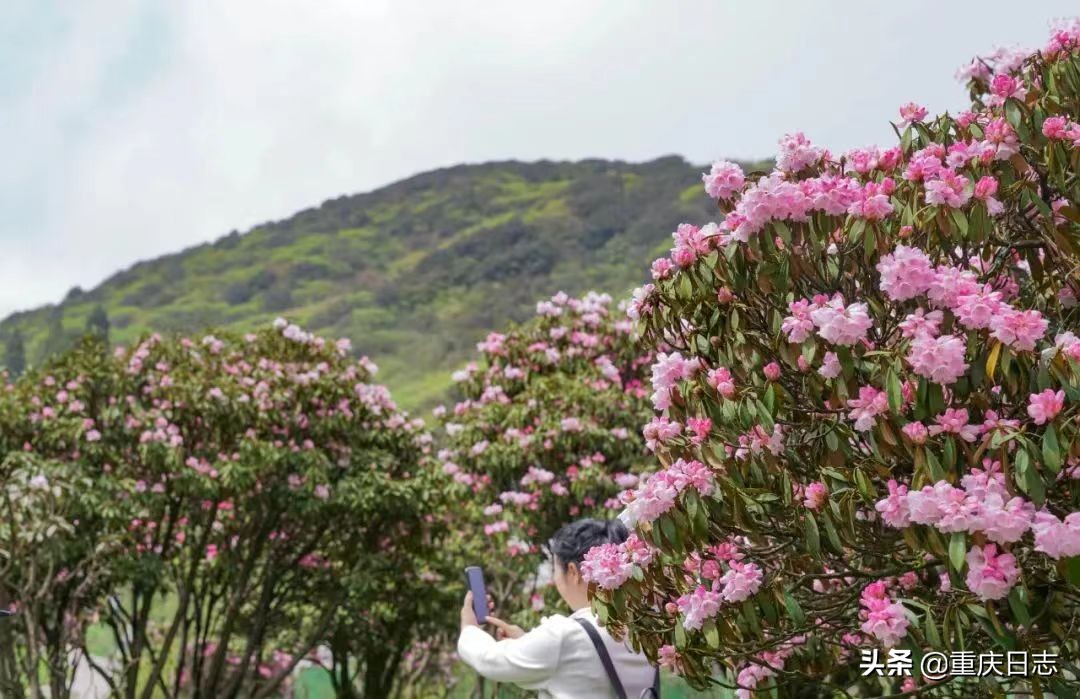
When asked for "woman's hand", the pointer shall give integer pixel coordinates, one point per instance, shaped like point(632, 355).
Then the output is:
point(468, 615)
point(505, 630)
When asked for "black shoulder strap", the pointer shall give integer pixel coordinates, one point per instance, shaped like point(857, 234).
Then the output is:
point(605, 658)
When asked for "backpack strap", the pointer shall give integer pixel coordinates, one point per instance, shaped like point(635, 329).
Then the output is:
point(605, 658)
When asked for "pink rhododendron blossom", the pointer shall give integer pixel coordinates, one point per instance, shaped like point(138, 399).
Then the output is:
point(955, 421)
point(894, 508)
point(698, 607)
point(985, 189)
point(842, 325)
point(659, 431)
point(797, 153)
point(638, 551)
point(911, 113)
point(1069, 344)
point(916, 432)
point(741, 581)
point(928, 506)
point(830, 366)
point(700, 428)
point(939, 359)
point(948, 189)
point(990, 574)
point(720, 379)
point(658, 493)
point(883, 618)
point(1001, 137)
point(864, 409)
point(723, 180)
point(1044, 407)
point(815, 495)
point(874, 203)
point(1004, 86)
point(1004, 521)
point(1056, 538)
point(975, 310)
point(951, 283)
point(668, 658)
point(922, 323)
point(772, 371)
point(667, 371)
point(798, 326)
point(905, 273)
point(607, 566)
point(1019, 329)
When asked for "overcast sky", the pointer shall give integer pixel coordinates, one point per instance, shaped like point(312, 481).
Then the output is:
point(134, 128)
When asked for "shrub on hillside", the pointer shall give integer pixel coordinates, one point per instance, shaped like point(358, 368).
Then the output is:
point(548, 430)
point(871, 399)
point(243, 487)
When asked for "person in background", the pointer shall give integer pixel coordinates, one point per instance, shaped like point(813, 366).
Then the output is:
point(565, 657)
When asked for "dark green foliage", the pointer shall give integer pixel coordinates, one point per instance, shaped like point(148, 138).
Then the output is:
point(15, 353)
point(57, 339)
point(97, 323)
point(414, 273)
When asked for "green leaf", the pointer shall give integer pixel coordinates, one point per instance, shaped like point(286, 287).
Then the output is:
point(934, 466)
point(960, 219)
point(1019, 609)
point(895, 391)
point(750, 614)
point(863, 483)
point(830, 534)
point(1051, 450)
point(957, 550)
point(765, 414)
point(794, 610)
point(712, 634)
point(933, 636)
point(1028, 478)
point(681, 640)
point(602, 613)
point(1012, 112)
point(770, 398)
point(949, 455)
point(856, 229)
point(1070, 568)
point(670, 533)
point(813, 536)
point(935, 399)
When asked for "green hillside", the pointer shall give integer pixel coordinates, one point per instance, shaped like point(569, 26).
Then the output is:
point(414, 273)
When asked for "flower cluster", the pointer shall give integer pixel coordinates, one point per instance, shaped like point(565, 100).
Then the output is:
point(660, 490)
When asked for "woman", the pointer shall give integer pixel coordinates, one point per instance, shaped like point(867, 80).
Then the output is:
point(559, 658)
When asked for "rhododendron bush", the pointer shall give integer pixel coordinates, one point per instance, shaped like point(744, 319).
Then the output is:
point(548, 430)
point(880, 350)
point(253, 482)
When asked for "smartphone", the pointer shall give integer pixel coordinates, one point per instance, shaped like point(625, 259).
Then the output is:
point(474, 578)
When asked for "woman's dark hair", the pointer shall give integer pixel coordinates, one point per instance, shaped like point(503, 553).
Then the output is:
point(572, 541)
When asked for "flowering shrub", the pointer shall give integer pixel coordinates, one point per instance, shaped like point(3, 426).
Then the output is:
point(548, 430)
point(251, 479)
point(50, 573)
point(877, 353)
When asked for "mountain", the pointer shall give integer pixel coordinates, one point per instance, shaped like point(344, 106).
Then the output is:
point(414, 273)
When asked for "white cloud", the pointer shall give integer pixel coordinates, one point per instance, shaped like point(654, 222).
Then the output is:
point(251, 109)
